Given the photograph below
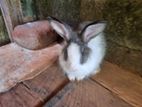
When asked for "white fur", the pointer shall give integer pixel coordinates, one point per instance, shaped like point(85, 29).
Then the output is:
point(77, 71)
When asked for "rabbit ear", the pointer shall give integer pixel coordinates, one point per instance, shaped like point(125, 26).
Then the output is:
point(62, 29)
point(92, 30)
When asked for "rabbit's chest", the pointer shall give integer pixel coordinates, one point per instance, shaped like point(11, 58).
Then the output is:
point(72, 64)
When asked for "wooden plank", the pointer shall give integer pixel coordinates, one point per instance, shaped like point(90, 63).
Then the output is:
point(3, 32)
point(48, 83)
point(19, 96)
point(31, 93)
point(85, 94)
point(18, 64)
point(126, 85)
point(12, 13)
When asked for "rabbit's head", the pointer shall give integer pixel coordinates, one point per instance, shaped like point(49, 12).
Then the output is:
point(80, 39)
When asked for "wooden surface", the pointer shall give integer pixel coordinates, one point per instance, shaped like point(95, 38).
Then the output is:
point(12, 14)
point(126, 85)
point(86, 94)
point(19, 96)
point(112, 87)
point(18, 64)
point(48, 83)
point(4, 39)
point(7, 19)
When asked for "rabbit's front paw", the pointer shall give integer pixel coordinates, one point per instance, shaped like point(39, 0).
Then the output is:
point(71, 77)
point(76, 77)
point(80, 77)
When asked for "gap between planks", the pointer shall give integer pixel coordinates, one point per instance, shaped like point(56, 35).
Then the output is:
point(48, 83)
point(19, 96)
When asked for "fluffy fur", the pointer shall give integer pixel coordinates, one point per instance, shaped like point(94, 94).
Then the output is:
point(77, 71)
point(92, 38)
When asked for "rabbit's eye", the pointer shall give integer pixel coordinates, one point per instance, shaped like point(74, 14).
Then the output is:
point(65, 51)
point(65, 54)
point(85, 52)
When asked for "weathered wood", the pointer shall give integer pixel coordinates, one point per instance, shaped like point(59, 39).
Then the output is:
point(19, 96)
point(85, 94)
point(48, 83)
point(11, 10)
point(31, 93)
point(18, 64)
point(4, 39)
point(126, 85)
point(114, 88)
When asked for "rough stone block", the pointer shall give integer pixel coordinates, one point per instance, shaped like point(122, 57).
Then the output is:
point(34, 35)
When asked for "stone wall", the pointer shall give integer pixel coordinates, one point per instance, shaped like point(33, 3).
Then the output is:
point(124, 33)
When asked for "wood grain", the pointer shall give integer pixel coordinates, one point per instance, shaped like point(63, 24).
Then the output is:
point(18, 64)
point(12, 14)
point(48, 83)
point(126, 85)
point(4, 39)
point(35, 92)
point(19, 96)
point(85, 94)
point(7, 18)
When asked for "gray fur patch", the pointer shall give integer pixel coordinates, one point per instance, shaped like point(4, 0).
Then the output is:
point(84, 49)
point(85, 52)
point(65, 51)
